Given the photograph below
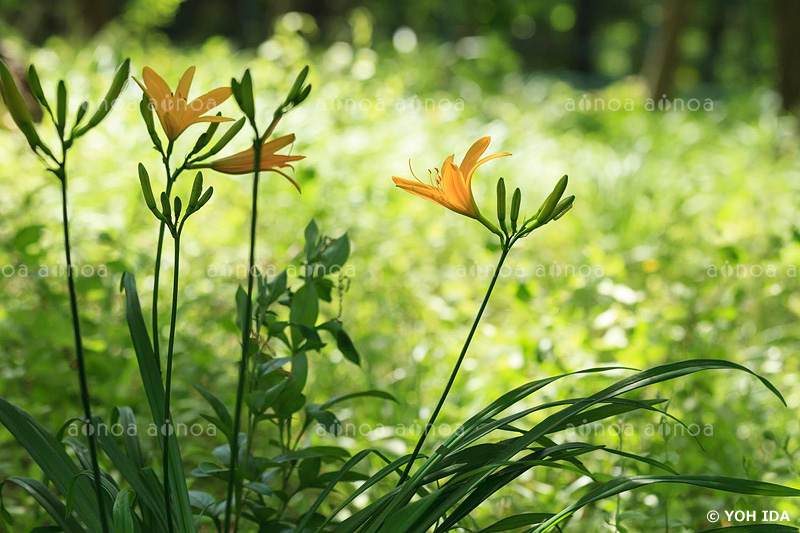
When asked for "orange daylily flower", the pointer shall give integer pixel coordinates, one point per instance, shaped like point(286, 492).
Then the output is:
point(174, 110)
point(244, 162)
point(452, 187)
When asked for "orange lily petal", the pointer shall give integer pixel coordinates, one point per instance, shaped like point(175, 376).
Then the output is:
point(246, 157)
point(160, 113)
point(468, 176)
point(210, 118)
point(448, 160)
point(159, 89)
point(171, 126)
point(207, 102)
point(279, 161)
point(154, 87)
point(143, 87)
point(239, 158)
point(473, 154)
point(276, 144)
point(453, 186)
point(244, 167)
point(185, 83)
point(432, 194)
point(243, 162)
point(174, 111)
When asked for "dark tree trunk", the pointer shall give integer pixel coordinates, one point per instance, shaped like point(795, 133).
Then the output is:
point(664, 56)
point(787, 26)
point(93, 15)
point(584, 23)
point(715, 32)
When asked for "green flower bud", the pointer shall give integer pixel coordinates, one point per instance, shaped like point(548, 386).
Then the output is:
point(243, 93)
point(197, 189)
point(298, 93)
point(205, 198)
point(563, 206)
point(80, 114)
point(17, 107)
point(501, 204)
point(147, 190)
point(147, 115)
point(206, 136)
point(224, 140)
point(516, 199)
point(549, 205)
point(303, 95)
point(36, 87)
point(178, 207)
point(61, 107)
point(117, 84)
point(165, 208)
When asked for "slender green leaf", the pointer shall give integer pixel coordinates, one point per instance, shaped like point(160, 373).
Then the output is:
point(154, 390)
point(51, 457)
point(151, 500)
point(516, 521)
point(123, 517)
point(48, 501)
point(625, 484)
point(352, 462)
point(130, 434)
point(368, 393)
point(754, 528)
point(219, 408)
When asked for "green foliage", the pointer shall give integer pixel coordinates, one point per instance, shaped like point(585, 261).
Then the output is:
point(661, 200)
point(287, 332)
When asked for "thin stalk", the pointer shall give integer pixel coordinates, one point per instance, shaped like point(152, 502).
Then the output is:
point(457, 366)
point(271, 128)
point(76, 329)
point(618, 509)
point(284, 427)
point(252, 423)
point(246, 325)
point(170, 350)
point(159, 249)
point(666, 500)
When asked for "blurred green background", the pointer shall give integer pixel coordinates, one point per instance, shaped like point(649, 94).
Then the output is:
point(672, 119)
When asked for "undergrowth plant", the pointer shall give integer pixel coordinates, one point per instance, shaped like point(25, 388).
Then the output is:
point(296, 313)
point(57, 166)
point(175, 113)
point(493, 448)
point(273, 473)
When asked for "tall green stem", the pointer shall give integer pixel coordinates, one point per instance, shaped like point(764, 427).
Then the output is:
point(76, 329)
point(170, 350)
point(159, 248)
point(454, 373)
point(246, 325)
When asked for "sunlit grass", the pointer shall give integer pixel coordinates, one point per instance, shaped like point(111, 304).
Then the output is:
point(663, 197)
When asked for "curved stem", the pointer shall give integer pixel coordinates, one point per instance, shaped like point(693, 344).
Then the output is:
point(454, 373)
point(157, 270)
point(246, 325)
point(76, 329)
point(156, 280)
point(170, 350)
point(491, 227)
point(252, 423)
